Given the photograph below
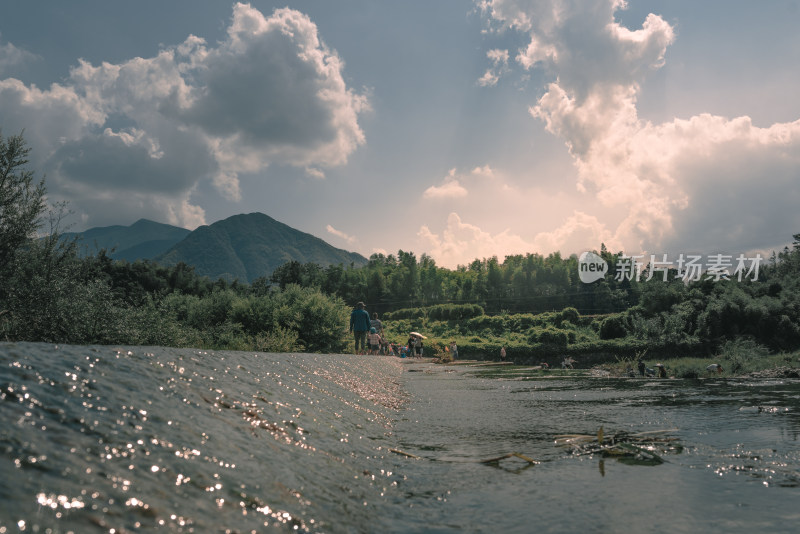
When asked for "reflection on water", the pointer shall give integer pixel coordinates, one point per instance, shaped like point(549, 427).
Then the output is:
point(100, 439)
point(737, 470)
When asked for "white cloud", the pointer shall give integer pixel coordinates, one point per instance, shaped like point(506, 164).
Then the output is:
point(459, 243)
point(338, 233)
point(486, 171)
point(150, 130)
point(499, 59)
point(11, 56)
point(674, 181)
point(578, 233)
point(315, 173)
point(450, 188)
point(273, 92)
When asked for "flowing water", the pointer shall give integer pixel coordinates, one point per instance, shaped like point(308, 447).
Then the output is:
point(133, 439)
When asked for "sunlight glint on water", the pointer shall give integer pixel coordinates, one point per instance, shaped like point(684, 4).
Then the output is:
point(99, 438)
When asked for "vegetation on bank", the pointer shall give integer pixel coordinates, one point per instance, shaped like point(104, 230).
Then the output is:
point(534, 306)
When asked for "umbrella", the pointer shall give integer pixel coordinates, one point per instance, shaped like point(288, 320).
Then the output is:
point(418, 335)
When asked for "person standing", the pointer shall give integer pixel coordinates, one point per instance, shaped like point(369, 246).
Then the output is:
point(376, 323)
point(454, 350)
point(502, 354)
point(359, 325)
point(412, 343)
point(374, 341)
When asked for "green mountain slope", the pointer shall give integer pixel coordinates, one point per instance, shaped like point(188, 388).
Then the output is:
point(248, 246)
point(144, 239)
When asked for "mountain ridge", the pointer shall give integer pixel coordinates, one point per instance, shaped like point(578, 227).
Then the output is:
point(243, 247)
point(143, 239)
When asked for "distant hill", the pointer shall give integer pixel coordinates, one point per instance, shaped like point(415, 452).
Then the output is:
point(143, 239)
point(246, 247)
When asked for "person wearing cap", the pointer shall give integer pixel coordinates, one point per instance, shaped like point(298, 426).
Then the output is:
point(359, 325)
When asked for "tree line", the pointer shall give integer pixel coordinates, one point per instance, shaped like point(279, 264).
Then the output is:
point(48, 292)
point(529, 283)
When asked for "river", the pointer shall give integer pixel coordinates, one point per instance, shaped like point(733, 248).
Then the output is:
point(140, 439)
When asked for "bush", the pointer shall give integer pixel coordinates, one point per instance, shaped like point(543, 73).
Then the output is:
point(550, 336)
point(453, 312)
point(741, 353)
point(487, 324)
point(613, 327)
point(211, 311)
point(319, 320)
point(156, 324)
point(278, 340)
point(571, 315)
point(405, 313)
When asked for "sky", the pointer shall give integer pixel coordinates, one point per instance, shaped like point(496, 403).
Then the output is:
point(456, 129)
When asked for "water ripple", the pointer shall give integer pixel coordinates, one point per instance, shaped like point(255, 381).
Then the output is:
point(102, 439)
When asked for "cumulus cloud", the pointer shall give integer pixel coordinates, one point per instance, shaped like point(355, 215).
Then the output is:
point(338, 233)
point(578, 233)
point(11, 56)
point(274, 92)
point(686, 182)
point(461, 242)
point(499, 59)
point(149, 130)
point(486, 171)
point(450, 188)
point(315, 173)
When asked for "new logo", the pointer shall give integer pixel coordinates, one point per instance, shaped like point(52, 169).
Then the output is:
point(591, 267)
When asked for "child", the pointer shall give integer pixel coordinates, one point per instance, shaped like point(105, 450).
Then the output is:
point(374, 341)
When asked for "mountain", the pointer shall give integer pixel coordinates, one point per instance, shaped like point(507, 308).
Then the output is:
point(252, 245)
point(143, 239)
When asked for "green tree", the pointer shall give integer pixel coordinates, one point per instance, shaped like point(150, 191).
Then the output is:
point(22, 201)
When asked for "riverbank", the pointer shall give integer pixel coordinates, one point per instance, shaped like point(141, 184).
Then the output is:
point(739, 364)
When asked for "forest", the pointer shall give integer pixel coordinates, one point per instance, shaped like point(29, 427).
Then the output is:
point(534, 305)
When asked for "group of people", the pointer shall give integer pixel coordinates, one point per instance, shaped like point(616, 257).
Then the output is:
point(368, 331)
point(369, 339)
point(414, 347)
point(659, 370)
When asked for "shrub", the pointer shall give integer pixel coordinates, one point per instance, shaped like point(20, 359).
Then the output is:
point(453, 312)
point(319, 320)
point(277, 340)
point(405, 313)
point(613, 327)
point(550, 336)
point(571, 315)
point(211, 311)
point(741, 353)
point(485, 323)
